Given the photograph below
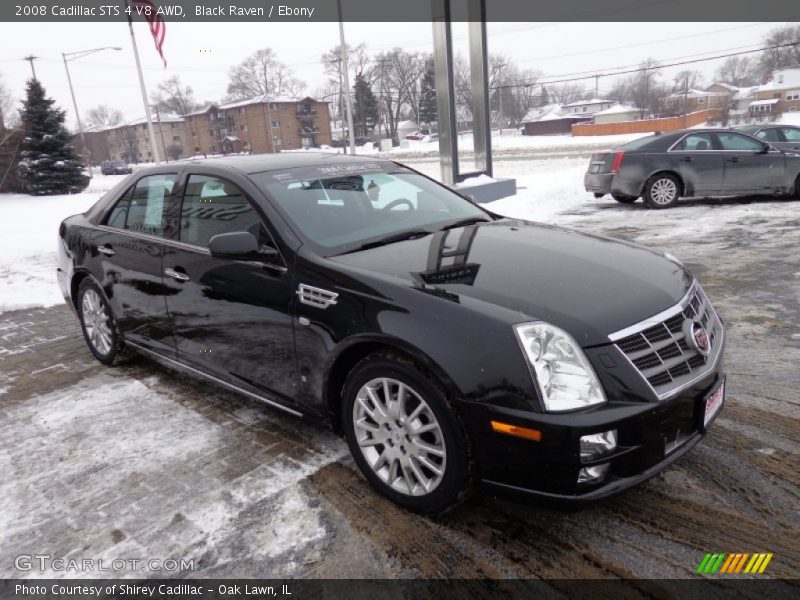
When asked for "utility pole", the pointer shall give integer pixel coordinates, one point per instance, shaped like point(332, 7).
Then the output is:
point(338, 62)
point(597, 86)
point(30, 58)
point(348, 99)
point(381, 98)
point(161, 133)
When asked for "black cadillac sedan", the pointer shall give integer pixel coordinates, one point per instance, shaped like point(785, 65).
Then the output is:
point(450, 346)
point(661, 168)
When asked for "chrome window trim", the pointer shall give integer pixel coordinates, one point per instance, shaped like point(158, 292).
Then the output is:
point(235, 388)
point(154, 238)
point(672, 148)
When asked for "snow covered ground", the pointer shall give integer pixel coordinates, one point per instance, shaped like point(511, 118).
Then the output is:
point(28, 233)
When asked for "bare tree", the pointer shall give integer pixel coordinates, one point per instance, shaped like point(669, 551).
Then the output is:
point(566, 93)
point(515, 94)
point(262, 73)
point(174, 151)
point(740, 71)
point(780, 58)
point(402, 72)
point(643, 86)
point(173, 97)
point(103, 115)
point(8, 116)
point(687, 79)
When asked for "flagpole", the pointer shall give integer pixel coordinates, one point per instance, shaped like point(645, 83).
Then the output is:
point(151, 131)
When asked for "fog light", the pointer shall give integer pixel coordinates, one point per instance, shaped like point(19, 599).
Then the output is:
point(597, 444)
point(595, 473)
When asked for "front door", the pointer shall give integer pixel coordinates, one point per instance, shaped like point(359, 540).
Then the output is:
point(699, 163)
point(127, 251)
point(748, 169)
point(231, 317)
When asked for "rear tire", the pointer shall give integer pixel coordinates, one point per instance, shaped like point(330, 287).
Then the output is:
point(662, 190)
point(98, 324)
point(387, 401)
point(624, 199)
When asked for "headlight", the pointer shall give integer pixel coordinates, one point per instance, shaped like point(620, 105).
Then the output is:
point(565, 378)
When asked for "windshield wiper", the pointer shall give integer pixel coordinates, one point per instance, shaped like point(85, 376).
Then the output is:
point(465, 222)
point(390, 239)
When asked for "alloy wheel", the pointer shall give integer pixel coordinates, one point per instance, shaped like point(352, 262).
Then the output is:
point(399, 436)
point(96, 322)
point(663, 191)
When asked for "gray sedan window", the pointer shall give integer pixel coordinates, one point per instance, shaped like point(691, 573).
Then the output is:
point(737, 141)
point(695, 142)
point(769, 135)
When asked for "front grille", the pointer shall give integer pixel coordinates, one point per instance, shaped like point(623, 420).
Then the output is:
point(663, 354)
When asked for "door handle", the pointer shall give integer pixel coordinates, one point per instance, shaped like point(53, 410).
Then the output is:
point(107, 250)
point(733, 159)
point(687, 159)
point(176, 275)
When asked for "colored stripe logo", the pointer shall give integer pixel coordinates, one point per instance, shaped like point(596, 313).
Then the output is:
point(732, 563)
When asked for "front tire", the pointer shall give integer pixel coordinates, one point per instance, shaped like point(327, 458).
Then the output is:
point(98, 324)
point(662, 190)
point(403, 435)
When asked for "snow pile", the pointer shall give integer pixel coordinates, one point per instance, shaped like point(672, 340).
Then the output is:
point(28, 233)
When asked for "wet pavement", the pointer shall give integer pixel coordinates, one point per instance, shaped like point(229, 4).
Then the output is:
point(136, 462)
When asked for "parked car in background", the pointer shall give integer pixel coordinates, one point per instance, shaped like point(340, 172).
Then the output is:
point(661, 168)
point(785, 137)
point(448, 345)
point(115, 167)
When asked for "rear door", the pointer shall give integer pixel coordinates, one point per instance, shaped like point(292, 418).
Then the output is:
point(791, 137)
point(699, 163)
point(748, 169)
point(231, 315)
point(127, 250)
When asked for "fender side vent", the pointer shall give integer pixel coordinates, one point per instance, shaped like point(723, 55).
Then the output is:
point(314, 296)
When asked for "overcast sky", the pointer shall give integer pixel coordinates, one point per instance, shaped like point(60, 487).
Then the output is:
point(201, 53)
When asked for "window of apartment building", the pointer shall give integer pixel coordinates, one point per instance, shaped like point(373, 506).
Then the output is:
point(241, 110)
point(243, 128)
point(793, 95)
point(277, 141)
point(701, 100)
point(194, 134)
point(197, 148)
point(276, 124)
point(176, 138)
point(213, 148)
point(173, 125)
point(273, 106)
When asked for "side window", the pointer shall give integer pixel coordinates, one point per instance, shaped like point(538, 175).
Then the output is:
point(142, 208)
point(212, 206)
point(696, 142)
point(119, 214)
point(735, 141)
point(769, 135)
point(791, 135)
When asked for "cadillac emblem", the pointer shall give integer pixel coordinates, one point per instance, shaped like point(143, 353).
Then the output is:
point(697, 337)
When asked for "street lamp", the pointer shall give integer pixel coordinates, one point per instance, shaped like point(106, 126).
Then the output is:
point(68, 56)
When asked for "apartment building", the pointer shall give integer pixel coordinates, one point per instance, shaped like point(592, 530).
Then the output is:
point(258, 125)
point(130, 142)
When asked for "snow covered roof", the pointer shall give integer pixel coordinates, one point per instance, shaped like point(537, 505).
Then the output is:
point(694, 93)
point(262, 99)
point(783, 79)
point(588, 102)
point(618, 109)
point(163, 117)
point(765, 102)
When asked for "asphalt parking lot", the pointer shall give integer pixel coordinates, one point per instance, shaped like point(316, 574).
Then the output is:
point(138, 462)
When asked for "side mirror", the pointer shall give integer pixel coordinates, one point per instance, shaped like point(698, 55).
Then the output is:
point(764, 149)
point(237, 243)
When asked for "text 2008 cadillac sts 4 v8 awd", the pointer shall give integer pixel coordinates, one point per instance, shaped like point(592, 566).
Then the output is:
point(449, 345)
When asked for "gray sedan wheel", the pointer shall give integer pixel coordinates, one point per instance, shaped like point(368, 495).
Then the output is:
point(662, 190)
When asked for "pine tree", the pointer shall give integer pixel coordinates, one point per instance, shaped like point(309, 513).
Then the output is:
point(48, 163)
point(365, 106)
point(428, 112)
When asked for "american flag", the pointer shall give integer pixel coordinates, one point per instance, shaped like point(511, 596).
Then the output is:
point(158, 27)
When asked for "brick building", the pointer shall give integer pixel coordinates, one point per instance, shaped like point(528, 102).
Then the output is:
point(130, 142)
point(245, 126)
point(781, 94)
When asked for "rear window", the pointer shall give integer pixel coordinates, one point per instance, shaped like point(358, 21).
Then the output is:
point(638, 144)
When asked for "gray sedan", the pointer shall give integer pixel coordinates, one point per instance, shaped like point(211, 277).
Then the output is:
point(785, 137)
point(661, 168)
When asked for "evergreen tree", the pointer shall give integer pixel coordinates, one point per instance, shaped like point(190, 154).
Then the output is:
point(48, 163)
point(427, 99)
point(365, 106)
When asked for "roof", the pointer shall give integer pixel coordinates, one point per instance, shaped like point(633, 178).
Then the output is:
point(259, 163)
point(783, 79)
point(163, 117)
point(618, 109)
point(764, 102)
point(262, 99)
point(695, 93)
point(587, 102)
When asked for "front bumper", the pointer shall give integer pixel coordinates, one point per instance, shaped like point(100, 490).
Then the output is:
point(651, 436)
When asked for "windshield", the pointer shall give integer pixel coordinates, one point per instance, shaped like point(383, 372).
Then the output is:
point(340, 208)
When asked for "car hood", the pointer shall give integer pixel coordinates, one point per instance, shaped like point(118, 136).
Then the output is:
point(588, 285)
